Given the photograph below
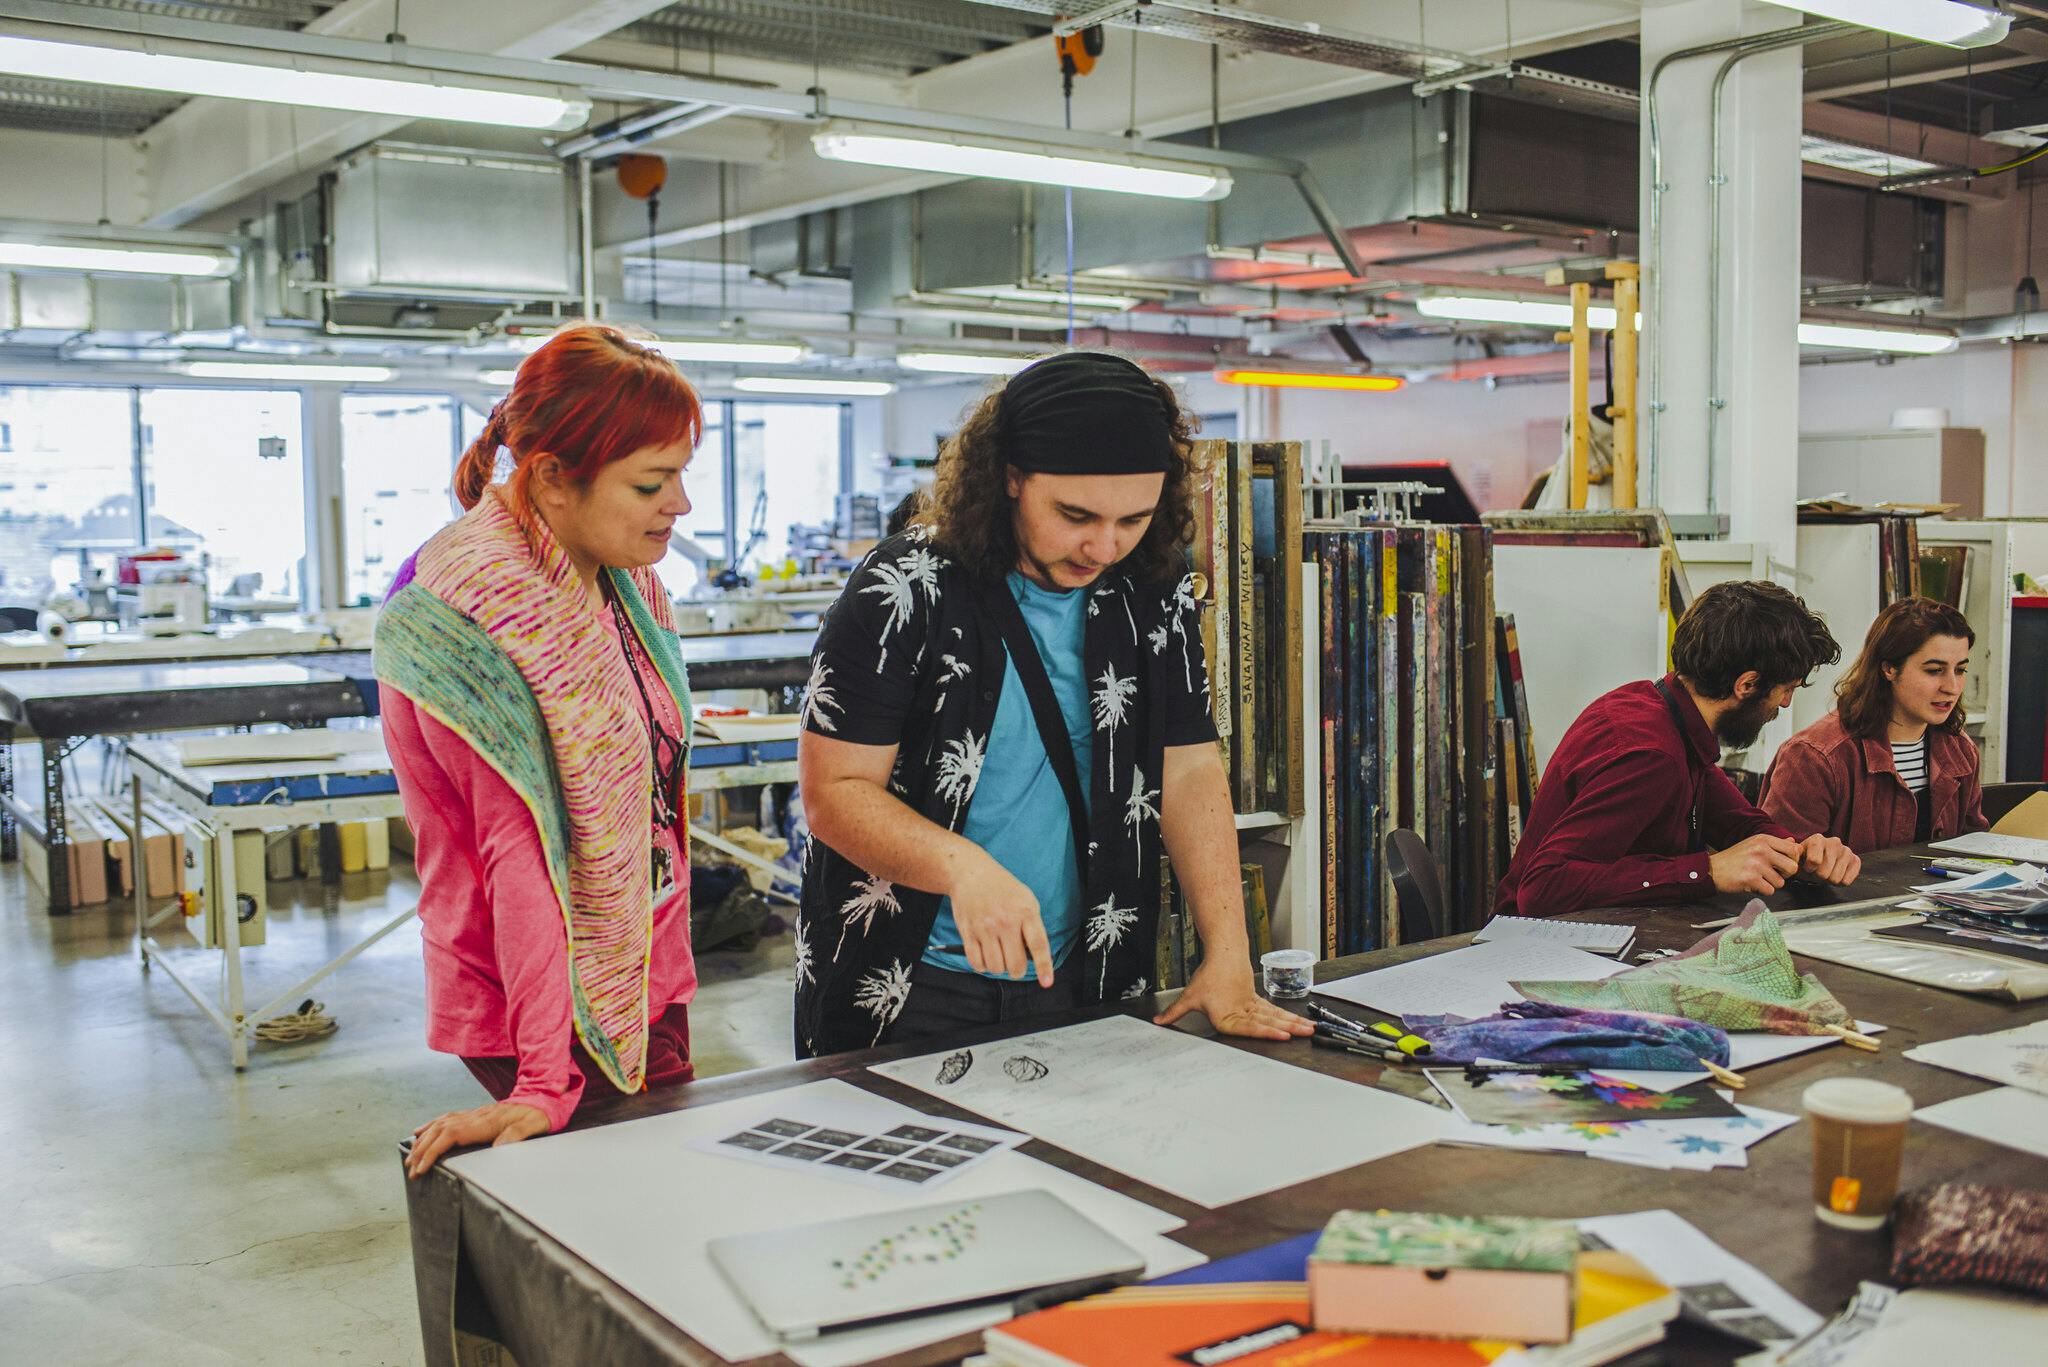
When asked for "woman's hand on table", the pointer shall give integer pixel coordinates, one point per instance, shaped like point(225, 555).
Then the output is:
point(1829, 860)
point(501, 1122)
point(1224, 993)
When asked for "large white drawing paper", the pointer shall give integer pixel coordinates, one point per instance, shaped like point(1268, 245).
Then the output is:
point(1599, 937)
point(1202, 1120)
point(639, 1203)
point(2018, 1057)
point(928, 1153)
point(2012, 1116)
point(1470, 982)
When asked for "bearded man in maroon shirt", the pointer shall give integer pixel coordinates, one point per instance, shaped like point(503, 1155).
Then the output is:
point(1633, 806)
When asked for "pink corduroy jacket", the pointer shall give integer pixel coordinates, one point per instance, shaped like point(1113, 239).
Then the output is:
point(1828, 782)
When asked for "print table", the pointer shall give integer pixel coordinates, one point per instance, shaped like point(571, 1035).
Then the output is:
point(62, 707)
point(483, 1270)
point(220, 800)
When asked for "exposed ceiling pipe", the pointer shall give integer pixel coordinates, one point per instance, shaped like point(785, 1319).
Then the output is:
point(620, 134)
point(1762, 42)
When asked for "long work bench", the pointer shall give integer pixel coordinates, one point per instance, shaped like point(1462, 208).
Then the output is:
point(485, 1274)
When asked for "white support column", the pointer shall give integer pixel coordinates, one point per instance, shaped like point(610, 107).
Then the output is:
point(1750, 472)
point(324, 550)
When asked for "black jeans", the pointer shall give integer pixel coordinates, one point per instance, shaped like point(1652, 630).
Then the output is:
point(943, 1003)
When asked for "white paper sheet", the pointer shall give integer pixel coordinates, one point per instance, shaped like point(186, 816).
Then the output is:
point(2018, 1057)
point(1694, 1145)
point(1991, 845)
point(1204, 1121)
point(1991, 880)
point(1714, 1283)
point(1469, 982)
point(2012, 1116)
point(639, 1204)
point(1596, 937)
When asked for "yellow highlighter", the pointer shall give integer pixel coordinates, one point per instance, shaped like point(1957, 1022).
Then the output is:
point(1415, 1046)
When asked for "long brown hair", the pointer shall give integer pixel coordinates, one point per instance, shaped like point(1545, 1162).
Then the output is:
point(1864, 694)
point(971, 513)
point(589, 396)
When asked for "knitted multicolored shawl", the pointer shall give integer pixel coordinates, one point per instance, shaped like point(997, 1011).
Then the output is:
point(495, 638)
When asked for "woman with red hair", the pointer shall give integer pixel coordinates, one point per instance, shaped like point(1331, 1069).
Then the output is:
point(538, 718)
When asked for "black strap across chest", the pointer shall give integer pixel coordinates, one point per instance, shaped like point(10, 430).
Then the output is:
point(1696, 834)
point(1045, 711)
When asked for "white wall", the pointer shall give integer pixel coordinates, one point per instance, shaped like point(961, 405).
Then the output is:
point(1496, 440)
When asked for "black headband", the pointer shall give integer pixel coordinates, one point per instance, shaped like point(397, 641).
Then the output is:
point(1085, 413)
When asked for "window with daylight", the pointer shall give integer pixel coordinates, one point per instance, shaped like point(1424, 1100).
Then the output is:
point(398, 452)
point(67, 487)
point(224, 478)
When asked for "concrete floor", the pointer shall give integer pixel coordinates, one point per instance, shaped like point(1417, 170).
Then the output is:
point(157, 1207)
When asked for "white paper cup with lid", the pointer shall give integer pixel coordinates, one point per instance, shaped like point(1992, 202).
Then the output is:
point(1859, 1144)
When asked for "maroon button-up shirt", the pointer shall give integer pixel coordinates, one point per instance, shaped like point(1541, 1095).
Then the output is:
point(1612, 821)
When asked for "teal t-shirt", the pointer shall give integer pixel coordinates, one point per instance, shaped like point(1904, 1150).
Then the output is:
point(1019, 814)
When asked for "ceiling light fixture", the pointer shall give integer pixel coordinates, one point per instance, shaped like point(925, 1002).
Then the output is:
point(994, 158)
point(1600, 317)
point(66, 256)
point(1854, 338)
point(1309, 379)
point(142, 62)
point(1864, 161)
point(960, 363)
point(734, 353)
point(1021, 294)
point(1947, 22)
point(285, 370)
point(844, 389)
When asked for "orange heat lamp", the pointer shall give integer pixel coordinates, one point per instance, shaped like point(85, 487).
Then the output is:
point(1308, 379)
point(641, 175)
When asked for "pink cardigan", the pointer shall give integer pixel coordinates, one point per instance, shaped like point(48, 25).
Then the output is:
point(491, 929)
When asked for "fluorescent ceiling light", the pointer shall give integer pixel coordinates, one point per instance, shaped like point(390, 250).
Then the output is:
point(1020, 294)
point(1557, 314)
point(848, 389)
point(960, 363)
point(1306, 379)
point(738, 353)
point(958, 154)
point(284, 370)
point(57, 256)
point(1947, 22)
point(497, 379)
point(1484, 308)
point(994, 317)
point(1875, 339)
point(276, 78)
point(1865, 161)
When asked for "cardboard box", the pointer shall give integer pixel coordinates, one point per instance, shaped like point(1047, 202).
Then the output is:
point(1445, 1276)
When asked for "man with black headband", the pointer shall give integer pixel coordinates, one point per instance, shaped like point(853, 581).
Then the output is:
point(1007, 724)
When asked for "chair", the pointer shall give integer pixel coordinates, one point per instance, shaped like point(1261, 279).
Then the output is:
point(2000, 798)
point(1417, 893)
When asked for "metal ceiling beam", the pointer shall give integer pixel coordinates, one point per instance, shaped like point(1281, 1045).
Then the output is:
point(1925, 66)
point(1249, 31)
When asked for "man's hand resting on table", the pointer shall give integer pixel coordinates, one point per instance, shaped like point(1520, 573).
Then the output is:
point(1224, 993)
point(1829, 860)
point(1760, 864)
point(501, 1122)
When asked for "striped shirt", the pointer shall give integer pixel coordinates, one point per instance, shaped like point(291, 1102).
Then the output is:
point(1910, 757)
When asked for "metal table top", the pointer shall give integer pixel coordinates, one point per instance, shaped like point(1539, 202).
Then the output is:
point(105, 699)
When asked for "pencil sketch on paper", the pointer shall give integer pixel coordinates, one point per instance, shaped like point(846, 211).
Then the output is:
point(955, 1066)
point(1024, 1068)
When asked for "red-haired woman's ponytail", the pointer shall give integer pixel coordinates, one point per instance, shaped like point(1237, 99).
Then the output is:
point(589, 396)
point(479, 464)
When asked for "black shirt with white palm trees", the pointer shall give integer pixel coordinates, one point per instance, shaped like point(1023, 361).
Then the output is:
point(911, 656)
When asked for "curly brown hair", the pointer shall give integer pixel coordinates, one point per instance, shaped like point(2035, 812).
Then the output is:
point(972, 515)
point(1864, 695)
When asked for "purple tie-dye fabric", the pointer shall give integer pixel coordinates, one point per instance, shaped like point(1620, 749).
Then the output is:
point(1536, 1032)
